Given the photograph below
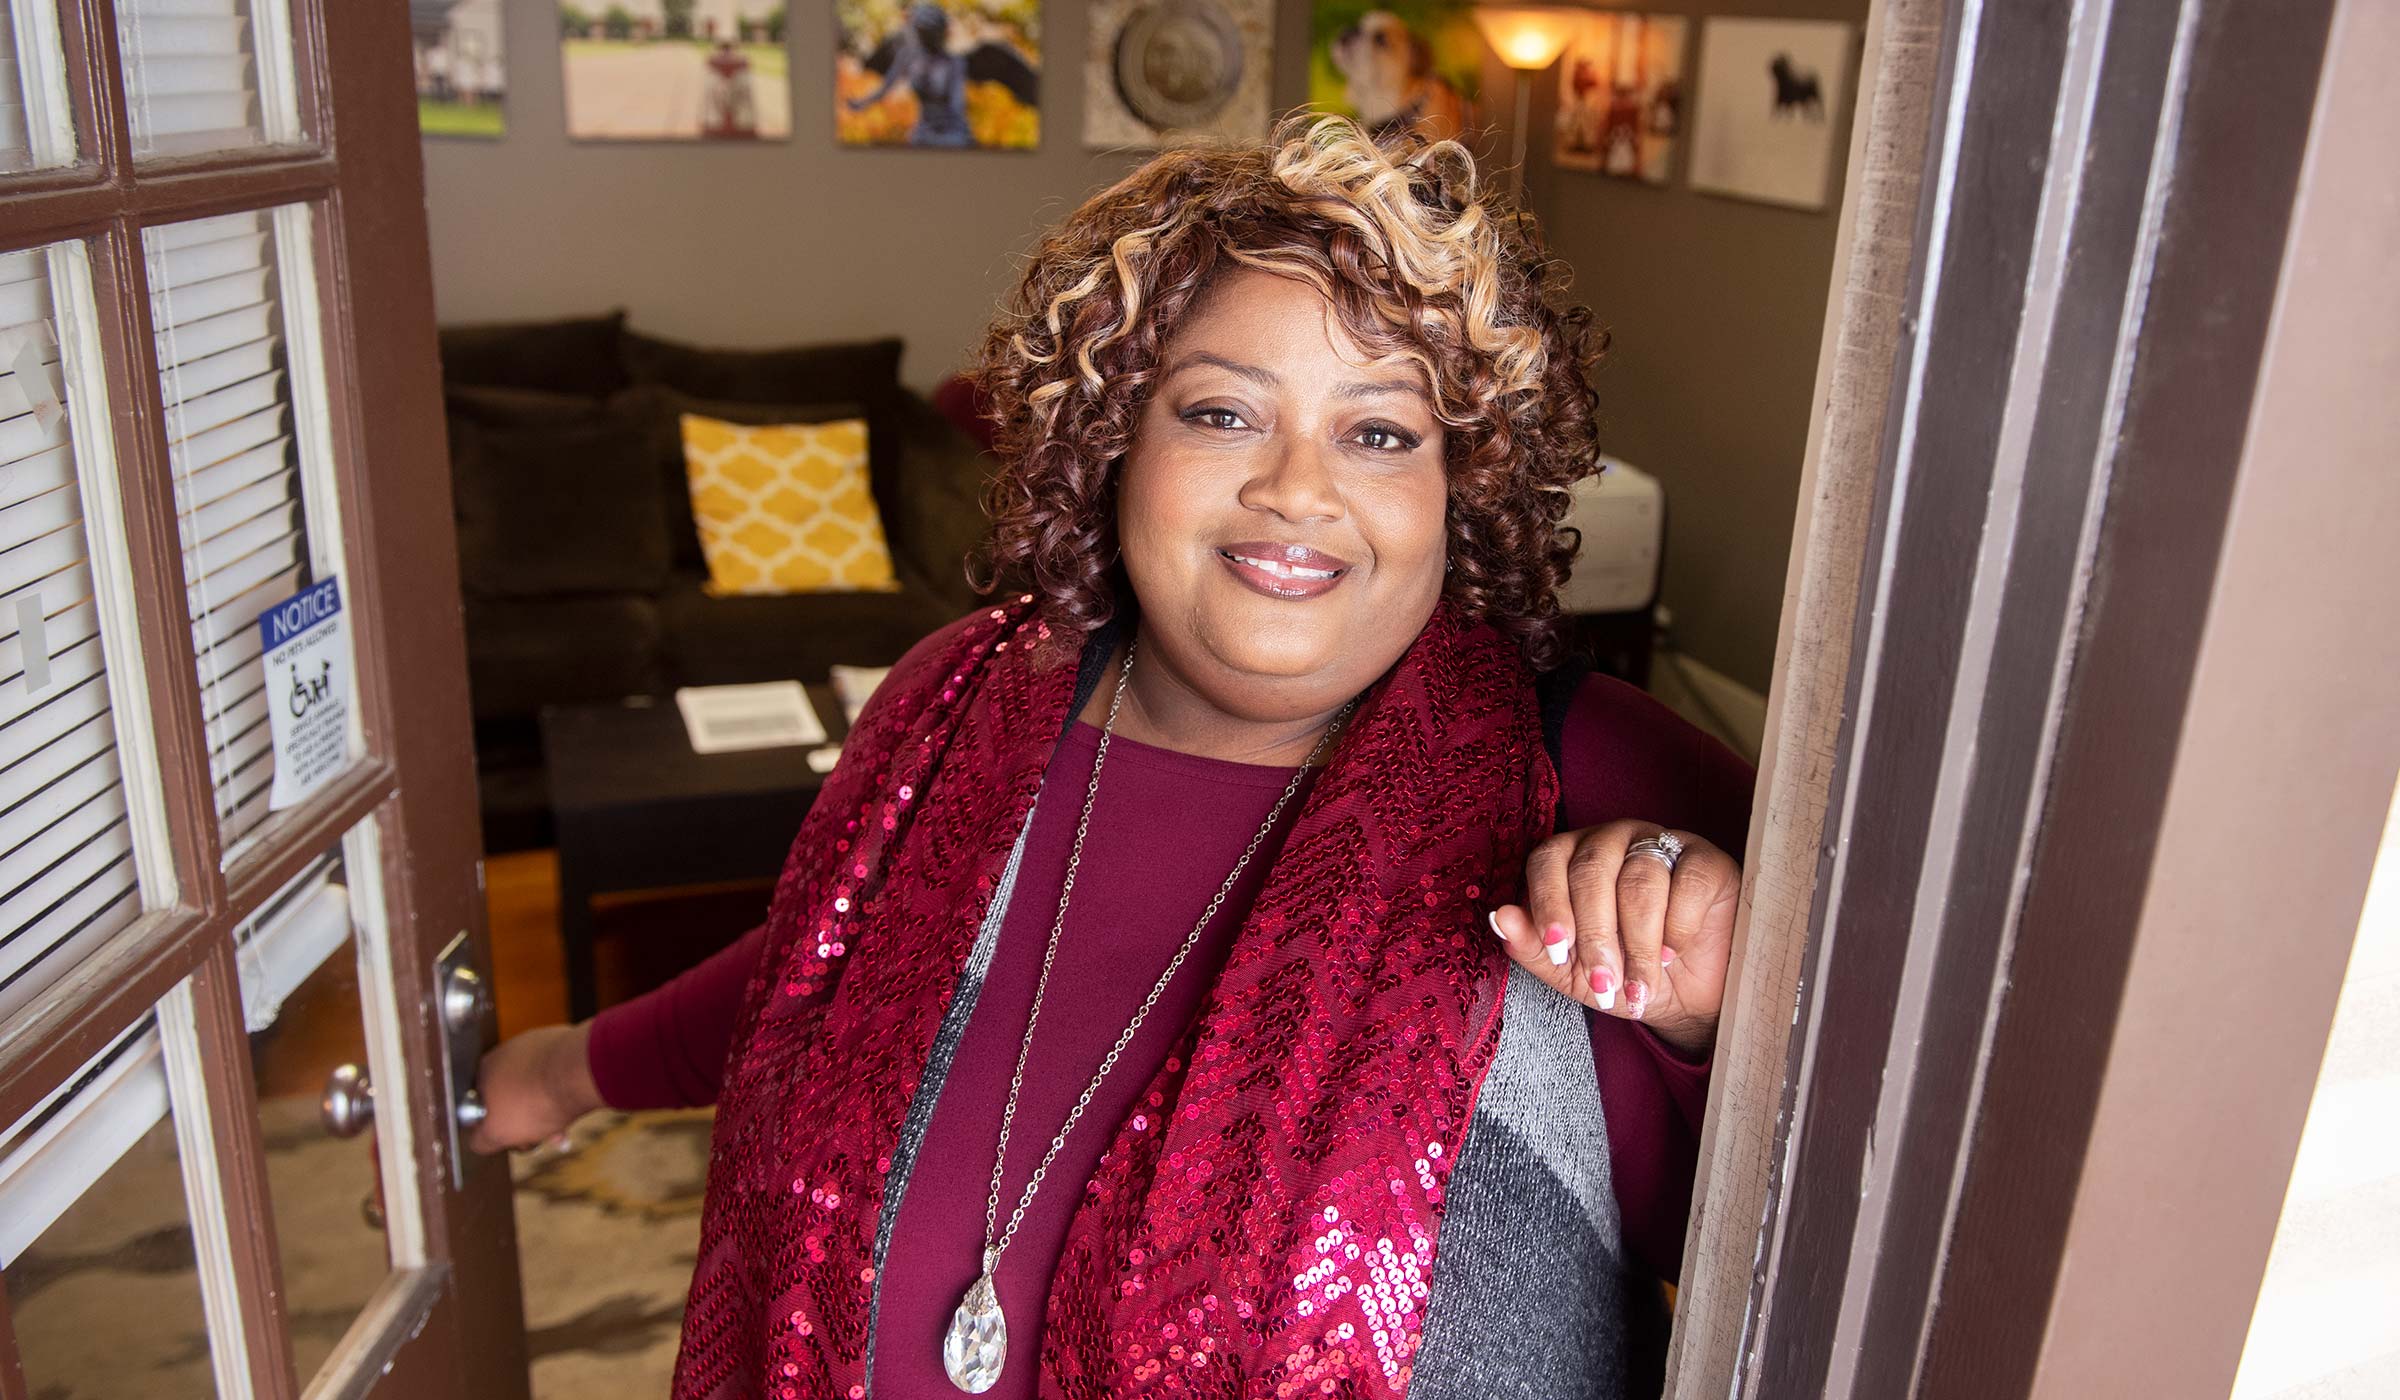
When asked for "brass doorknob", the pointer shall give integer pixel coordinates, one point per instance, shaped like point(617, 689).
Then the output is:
point(349, 1102)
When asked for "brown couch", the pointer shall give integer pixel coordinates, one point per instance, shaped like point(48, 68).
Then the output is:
point(579, 560)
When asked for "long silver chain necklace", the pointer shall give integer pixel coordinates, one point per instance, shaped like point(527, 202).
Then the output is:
point(976, 1346)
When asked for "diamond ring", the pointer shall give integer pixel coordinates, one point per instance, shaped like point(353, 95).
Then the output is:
point(1666, 848)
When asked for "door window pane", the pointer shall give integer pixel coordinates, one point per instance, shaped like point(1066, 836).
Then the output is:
point(244, 415)
point(206, 75)
point(96, 1242)
point(68, 865)
point(35, 127)
point(302, 995)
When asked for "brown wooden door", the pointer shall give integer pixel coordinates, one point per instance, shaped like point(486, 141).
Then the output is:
point(219, 393)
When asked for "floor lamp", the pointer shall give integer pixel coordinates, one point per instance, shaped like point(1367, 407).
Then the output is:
point(1528, 38)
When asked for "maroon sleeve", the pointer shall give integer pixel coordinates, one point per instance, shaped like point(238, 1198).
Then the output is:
point(666, 1048)
point(1626, 755)
point(1651, 1099)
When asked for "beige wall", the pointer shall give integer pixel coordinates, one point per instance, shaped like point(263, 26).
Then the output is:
point(1715, 303)
point(791, 241)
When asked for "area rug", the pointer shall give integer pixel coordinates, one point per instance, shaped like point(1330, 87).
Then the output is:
point(106, 1305)
point(608, 1232)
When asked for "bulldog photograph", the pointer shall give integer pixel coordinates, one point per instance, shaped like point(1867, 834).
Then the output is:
point(1396, 65)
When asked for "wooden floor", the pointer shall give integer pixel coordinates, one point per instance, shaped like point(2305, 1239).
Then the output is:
point(529, 976)
point(644, 938)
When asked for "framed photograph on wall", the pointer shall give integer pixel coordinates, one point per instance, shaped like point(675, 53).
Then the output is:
point(675, 70)
point(1396, 63)
point(940, 74)
point(462, 72)
point(1770, 97)
point(1621, 96)
point(1157, 68)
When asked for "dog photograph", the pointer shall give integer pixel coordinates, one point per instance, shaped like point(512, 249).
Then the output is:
point(1392, 65)
point(1767, 96)
point(1798, 94)
point(1621, 95)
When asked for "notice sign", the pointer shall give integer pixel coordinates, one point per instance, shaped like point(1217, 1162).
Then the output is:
point(308, 690)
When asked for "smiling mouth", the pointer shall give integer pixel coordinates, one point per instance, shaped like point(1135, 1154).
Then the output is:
point(1284, 577)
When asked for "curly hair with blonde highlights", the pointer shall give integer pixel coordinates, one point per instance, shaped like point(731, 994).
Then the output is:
point(1419, 264)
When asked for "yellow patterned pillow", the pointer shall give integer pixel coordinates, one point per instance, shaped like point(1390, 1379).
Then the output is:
point(785, 509)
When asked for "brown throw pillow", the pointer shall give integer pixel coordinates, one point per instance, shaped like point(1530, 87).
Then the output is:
point(583, 355)
point(489, 406)
point(564, 507)
point(856, 371)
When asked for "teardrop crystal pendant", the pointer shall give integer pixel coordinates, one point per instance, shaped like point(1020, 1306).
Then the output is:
point(977, 1343)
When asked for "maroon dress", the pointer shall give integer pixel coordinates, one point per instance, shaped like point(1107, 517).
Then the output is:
point(1165, 829)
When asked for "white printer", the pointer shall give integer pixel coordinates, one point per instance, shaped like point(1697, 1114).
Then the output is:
point(1622, 513)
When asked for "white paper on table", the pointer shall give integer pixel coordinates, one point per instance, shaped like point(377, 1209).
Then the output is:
point(853, 684)
point(729, 718)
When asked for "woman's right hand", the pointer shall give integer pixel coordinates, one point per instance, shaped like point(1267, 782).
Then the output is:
point(534, 1085)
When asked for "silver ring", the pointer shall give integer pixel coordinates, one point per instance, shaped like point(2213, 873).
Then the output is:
point(1666, 848)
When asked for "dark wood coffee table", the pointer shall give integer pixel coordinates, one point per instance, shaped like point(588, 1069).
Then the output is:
point(636, 809)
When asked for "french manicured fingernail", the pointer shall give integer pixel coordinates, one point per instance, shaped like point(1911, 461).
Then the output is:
point(1554, 939)
point(1493, 918)
point(1604, 987)
point(1637, 999)
point(1666, 957)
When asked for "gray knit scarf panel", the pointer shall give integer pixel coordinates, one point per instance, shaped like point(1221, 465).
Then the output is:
point(937, 1069)
point(1529, 1272)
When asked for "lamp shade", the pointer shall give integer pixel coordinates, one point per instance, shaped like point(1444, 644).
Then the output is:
point(1528, 37)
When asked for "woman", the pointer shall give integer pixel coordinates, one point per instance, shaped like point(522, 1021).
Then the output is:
point(1179, 988)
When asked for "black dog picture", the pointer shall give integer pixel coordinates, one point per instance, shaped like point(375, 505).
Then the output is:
point(1797, 92)
point(1770, 94)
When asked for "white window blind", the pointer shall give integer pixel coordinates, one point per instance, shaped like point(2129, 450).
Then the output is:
point(80, 1129)
point(205, 75)
point(224, 380)
point(76, 1133)
point(290, 937)
point(68, 876)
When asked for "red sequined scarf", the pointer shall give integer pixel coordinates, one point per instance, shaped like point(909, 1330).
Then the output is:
point(1271, 1231)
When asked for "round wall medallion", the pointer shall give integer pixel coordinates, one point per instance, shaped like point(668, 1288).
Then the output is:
point(1178, 62)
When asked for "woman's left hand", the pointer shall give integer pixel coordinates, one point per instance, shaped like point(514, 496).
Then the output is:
point(1621, 933)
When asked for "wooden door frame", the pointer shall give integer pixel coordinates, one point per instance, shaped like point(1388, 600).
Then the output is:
point(2304, 587)
point(452, 1326)
point(404, 546)
point(384, 271)
point(2061, 249)
point(1748, 1123)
